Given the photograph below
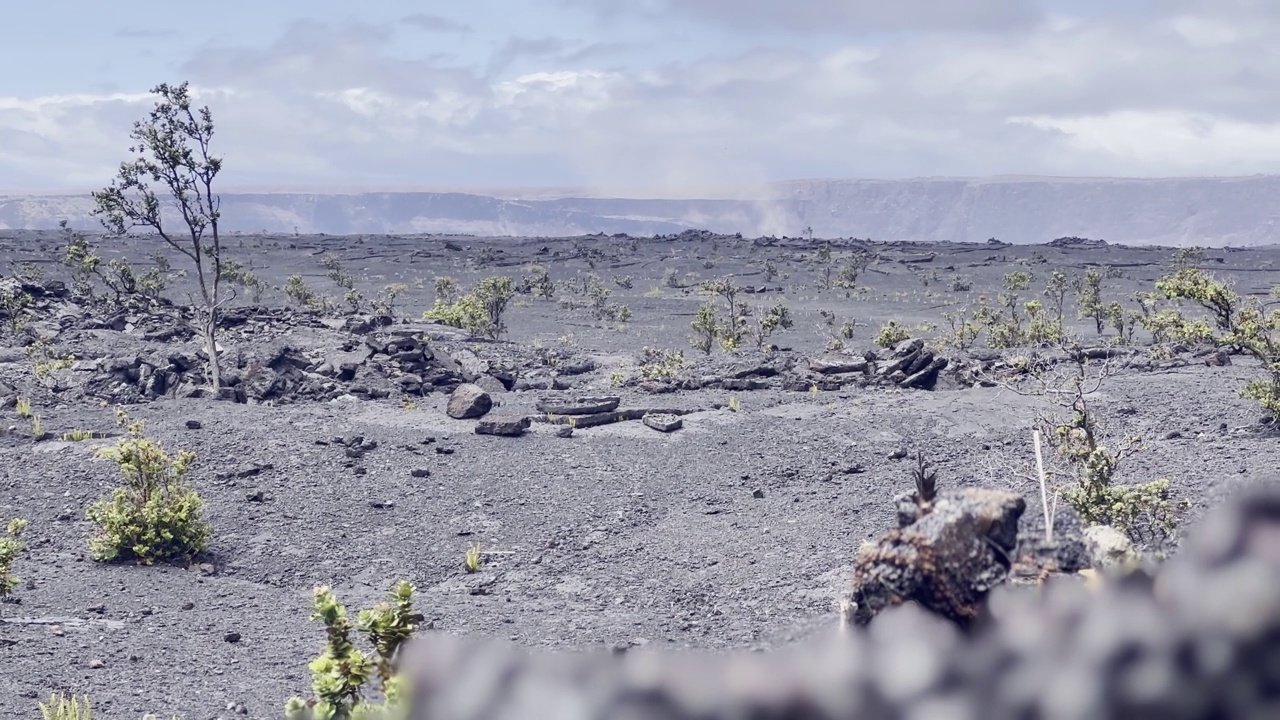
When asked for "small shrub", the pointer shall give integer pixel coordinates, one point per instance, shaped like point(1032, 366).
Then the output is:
point(734, 404)
point(23, 408)
point(473, 559)
point(891, 333)
point(156, 514)
point(705, 328)
point(11, 546)
point(298, 291)
point(63, 707)
point(658, 364)
point(479, 312)
point(341, 672)
point(767, 322)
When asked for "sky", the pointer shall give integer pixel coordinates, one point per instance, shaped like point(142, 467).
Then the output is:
point(669, 94)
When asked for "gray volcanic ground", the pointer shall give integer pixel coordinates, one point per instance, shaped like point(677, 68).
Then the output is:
point(737, 531)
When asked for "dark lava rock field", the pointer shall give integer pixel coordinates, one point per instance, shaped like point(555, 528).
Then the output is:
point(719, 506)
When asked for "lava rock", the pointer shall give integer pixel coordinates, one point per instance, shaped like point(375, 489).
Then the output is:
point(468, 402)
point(505, 426)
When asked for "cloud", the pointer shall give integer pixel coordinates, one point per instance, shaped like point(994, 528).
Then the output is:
point(434, 23)
point(1193, 88)
point(828, 16)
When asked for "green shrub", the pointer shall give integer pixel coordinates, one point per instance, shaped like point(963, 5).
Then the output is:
point(62, 707)
point(1242, 323)
point(891, 333)
point(342, 671)
point(478, 312)
point(156, 514)
point(11, 546)
point(657, 364)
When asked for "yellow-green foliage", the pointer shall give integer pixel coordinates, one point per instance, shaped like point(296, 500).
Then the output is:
point(23, 408)
point(891, 333)
point(473, 559)
point(342, 671)
point(478, 312)
point(1242, 323)
point(78, 435)
point(705, 328)
point(63, 707)
point(298, 291)
point(11, 546)
point(156, 514)
point(657, 364)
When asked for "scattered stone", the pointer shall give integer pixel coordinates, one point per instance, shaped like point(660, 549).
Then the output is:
point(468, 402)
point(578, 406)
point(96, 664)
point(898, 453)
point(232, 637)
point(565, 432)
point(505, 426)
point(1109, 548)
point(256, 496)
point(758, 494)
point(420, 473)
point(490, 384)
point(663, 422)
point(194, 425)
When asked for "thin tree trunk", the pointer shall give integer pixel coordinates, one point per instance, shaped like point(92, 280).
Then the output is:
point(211, 348)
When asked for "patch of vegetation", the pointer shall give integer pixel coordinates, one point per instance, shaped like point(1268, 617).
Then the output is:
point(341, 674)
point(890, 334)
point(23, 408)
point(764, 323)
point(657, 364)
point(236, 274)
point(156, 515)
point(64, 707)
point(11, 546)
point(537, 282)
point(473, 558)
point(963, 329)
point(15, 305)
point(1091, 305)
point(124, 283)
point(479, 312)
point(297, 290)
point(1144, 511)
point(1243, 324)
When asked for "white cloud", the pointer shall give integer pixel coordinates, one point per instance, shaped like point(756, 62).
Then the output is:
point(1190, 91)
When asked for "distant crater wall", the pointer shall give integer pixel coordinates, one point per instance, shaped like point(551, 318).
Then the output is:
point(1190, 211)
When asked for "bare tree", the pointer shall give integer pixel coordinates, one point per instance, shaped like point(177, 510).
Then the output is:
point(171, 149)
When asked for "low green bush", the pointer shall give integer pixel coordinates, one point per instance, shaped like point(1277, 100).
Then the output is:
point(11, 546)
point(342, 671)
point(155, 514)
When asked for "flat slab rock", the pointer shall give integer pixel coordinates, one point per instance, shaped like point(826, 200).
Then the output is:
point(829, 366)
point(663, 422)
point(578, 405)
point(505, 426)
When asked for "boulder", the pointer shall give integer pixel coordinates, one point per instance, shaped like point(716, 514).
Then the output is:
point(946, 554)
point(490, 384)
point(468, 401)
point(1109, 548)
point(505, 426)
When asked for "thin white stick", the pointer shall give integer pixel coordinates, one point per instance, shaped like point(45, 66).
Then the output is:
point(1044, 489)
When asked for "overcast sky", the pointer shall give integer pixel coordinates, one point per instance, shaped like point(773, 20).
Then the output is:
point(667, 93)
